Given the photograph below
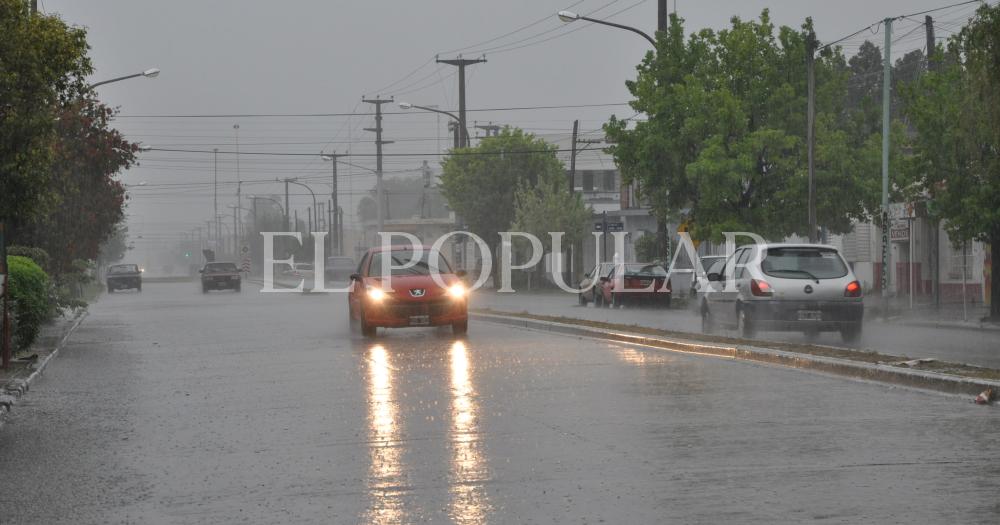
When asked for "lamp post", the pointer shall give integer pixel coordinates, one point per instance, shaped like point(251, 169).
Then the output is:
point(297, 183)
point(149, 73)
point(569, 16)
point(463, 142)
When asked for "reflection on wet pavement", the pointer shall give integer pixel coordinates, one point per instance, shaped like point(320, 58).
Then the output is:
point(468, 465)
point(386, 480)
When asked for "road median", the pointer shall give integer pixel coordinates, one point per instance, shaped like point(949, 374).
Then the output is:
point(951, 378)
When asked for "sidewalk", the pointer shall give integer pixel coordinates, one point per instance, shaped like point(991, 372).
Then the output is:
point(15, 381)
point(948, 315)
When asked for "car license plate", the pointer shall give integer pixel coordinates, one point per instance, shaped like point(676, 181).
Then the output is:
point(810, 315)
point(420, 320)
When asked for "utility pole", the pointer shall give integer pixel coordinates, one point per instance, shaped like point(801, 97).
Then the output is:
point(379, 190)
point(286, 205)
point(661, 14)
point(662, 235)
point(239, 182)
point(935, 223)
point(334, 222)
point(215, 198)
point(461, 63)
point(811, 130)
point(886, 93)
point(491, 129)
point(572, 156)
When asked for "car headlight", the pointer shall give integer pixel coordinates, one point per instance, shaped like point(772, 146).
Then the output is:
point(376, 294)
point(457, 291)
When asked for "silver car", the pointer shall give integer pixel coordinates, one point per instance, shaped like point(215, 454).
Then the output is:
point(784, 287)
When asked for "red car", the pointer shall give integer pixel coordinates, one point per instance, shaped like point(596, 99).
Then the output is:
point(633, 278)
point(410, 297)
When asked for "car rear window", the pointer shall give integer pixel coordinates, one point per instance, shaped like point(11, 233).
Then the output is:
point(803, 263)
point(220, 267)
point(654, 270)
point(123, 268)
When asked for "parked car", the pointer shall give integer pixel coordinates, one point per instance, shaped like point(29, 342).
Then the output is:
point(700, 283)
point(590, 284)
point(792, 287)
point(220, 276)
point(636, 283)
point(409, 297)
point(124, 277)
point(339, 268)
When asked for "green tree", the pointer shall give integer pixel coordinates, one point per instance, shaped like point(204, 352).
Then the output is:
point(956, 158)
point(481, 183)
point(88, 200)
point(724, 142)
point(42, 63)
point(550, 207)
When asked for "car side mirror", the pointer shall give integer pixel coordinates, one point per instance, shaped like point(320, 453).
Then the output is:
point(355, 277)
point(714, 277)
point(460, 273)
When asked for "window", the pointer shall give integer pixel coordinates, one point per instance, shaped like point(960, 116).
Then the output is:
point(803, 263)
point(220, 267)
point(426, 263)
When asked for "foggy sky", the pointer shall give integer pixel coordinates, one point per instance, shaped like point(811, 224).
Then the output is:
point(312, 56)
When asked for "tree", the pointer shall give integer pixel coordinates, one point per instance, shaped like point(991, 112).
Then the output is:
point(956, 158)
point(480, 183)
point(42, 63)
point(88, 201)
point(724, 143)
point(550, 207)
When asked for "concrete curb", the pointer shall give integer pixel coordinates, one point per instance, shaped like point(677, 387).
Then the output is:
point(859, 370)
point(981, 327)
point(15, 389)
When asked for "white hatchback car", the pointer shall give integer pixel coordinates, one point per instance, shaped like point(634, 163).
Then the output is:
point(785, 287)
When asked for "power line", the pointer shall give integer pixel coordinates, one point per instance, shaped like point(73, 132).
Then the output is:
point(362, 114)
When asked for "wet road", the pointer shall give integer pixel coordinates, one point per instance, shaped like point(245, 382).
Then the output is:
point(177, 407)
point(977, 347)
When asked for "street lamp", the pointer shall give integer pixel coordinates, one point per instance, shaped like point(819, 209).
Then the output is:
point(463, 142)
point(297, 183)
point(149, 73)
point(569, 16)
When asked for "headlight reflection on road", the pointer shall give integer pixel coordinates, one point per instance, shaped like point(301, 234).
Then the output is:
point(468, 465)
point(385, 473)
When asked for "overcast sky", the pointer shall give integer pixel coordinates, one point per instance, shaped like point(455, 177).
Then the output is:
point(312, 56)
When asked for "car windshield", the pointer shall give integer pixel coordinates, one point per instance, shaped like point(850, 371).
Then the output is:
point(124, 268)
point(803, 263)
point(220, 267)
point(644, 269)
point(424, 265)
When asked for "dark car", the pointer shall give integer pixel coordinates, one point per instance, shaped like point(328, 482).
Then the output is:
point(220, 276)
point(124, 277)
point(410, 296)
point(636, 283)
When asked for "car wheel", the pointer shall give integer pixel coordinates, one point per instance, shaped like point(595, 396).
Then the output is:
point(666, 304)
point(460, 328)
point(352, 323)
point(850, 333)
point(616, 300)
point(238, 288)
point(139, 288)
point(204, 289)
point(707, 322)
point(745, 324)
point(582, 299)
point(111, 290)
point(811, 335)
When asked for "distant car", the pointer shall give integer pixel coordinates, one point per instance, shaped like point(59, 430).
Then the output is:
point(636, 283)
point(700, 283)
point(590, 285)
point(339, 268)
point(793, 287)
point(124, 277)
point(220, 276)
point(411, 297)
